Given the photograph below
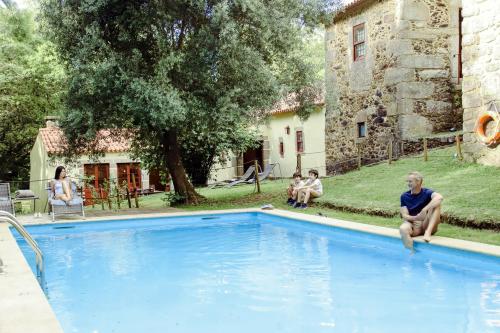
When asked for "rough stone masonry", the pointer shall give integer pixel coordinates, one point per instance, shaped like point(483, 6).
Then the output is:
point(481, 72)
point(402, 88)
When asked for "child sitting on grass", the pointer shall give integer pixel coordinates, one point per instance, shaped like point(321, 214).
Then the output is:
point(313, 188)
point(293, 189)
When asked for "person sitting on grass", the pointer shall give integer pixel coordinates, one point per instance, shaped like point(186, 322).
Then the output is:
point(313, 188)
point(293, 189)
point(420, 210)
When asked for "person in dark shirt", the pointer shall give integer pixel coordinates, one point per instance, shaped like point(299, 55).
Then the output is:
point(420, 210)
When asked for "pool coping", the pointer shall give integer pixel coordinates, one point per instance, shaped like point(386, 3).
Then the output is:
point(28, 310)
point(23, 304)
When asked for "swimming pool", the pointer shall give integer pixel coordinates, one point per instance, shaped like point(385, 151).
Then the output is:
point(254, 272)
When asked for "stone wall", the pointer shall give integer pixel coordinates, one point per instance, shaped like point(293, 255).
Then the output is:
point(402, 89)
point(481, 72)
point(426, 48)
point(355, 89)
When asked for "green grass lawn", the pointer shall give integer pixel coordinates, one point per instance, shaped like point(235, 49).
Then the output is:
point(470, 192)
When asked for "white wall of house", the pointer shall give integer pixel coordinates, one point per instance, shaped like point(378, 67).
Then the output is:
point(224, 171)
point(274, 131)
point(313, 129)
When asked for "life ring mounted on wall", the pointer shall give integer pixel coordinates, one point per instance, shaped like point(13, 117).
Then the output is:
point(481, 126)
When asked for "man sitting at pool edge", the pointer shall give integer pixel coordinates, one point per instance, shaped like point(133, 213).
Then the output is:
point(420, 210)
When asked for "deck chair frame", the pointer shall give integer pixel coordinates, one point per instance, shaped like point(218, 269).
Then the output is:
point(6, 203)
point(74, 208)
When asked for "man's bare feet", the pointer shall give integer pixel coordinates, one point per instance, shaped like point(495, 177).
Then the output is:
point(427, 238)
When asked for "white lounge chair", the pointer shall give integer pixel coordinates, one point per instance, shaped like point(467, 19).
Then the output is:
point(59, 207)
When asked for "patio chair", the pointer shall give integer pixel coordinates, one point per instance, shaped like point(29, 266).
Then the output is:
point(6, 203)
point(249, 174)
point(264, 174)
point(228, 183)
point(59, 207)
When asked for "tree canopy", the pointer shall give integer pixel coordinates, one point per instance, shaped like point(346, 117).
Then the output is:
point(31, 86)
point(187, 77)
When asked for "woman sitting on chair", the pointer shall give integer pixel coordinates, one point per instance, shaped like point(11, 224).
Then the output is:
point(60, 186)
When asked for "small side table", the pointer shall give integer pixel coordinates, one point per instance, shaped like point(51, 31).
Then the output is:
point(28, 198)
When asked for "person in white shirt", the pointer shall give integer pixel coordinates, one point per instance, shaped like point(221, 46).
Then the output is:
point(312, 188)
point(293, 189)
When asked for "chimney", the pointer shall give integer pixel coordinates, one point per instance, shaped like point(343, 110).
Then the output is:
point(51, 121)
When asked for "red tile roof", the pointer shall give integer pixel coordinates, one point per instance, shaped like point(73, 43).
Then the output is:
point(290, 104)
point(351, 6)
point(54, 141)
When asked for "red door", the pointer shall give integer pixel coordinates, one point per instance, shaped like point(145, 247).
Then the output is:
point(100, 174)
point(127, 173)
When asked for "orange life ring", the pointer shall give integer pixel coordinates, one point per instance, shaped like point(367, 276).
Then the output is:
point(481, 123)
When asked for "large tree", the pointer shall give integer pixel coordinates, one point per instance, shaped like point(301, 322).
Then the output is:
point(178, 73)
point(31, 87)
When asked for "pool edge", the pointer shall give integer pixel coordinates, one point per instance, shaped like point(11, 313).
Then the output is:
point(28, 309)
point(458, 244)
point(23, 304)
point(453, 243)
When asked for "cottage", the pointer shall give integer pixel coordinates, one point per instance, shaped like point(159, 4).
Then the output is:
point(282, 137)
point(116, 165)
point(393, 69)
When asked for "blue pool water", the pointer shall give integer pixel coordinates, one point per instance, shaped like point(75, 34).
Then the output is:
point(255, 272)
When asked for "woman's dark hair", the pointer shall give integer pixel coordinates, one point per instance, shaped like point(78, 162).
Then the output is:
point(314, 172)
point(297, 174)
point(59, 169)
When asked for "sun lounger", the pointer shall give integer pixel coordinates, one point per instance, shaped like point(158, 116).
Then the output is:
point(59, 207)
point(264, 174)
point(244, 179)
point(228, 183)
point(6, 203)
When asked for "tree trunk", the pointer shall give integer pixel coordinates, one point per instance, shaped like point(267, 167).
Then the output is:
point(174, 164)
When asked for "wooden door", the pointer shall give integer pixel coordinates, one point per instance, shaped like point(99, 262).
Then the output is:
point(126, 174)
point(100, 174)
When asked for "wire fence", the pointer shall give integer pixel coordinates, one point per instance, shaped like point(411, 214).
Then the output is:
point(111, 192)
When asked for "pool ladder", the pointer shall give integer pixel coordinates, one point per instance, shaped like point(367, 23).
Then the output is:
point(9, 218)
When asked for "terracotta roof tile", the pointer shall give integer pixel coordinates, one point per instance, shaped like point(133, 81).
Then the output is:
point(290, 104)
point(351, 6)
point(54, 141)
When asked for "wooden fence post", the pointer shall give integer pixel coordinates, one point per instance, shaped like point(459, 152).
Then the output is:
point(426, 156)
point(109, 196)
point(135, 192)
point(390, 151)
point(117, 196)
point(128, 198)
point(459, 148)
point(299, 163)
point(359, 155)
point(257, 181)
point(101, 197)
point(402, 148)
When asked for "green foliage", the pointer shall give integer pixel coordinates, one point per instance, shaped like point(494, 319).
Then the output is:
point(172, 199)
point(31, 86)
point(204, 71)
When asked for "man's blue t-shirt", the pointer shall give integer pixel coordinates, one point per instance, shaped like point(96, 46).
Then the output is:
point(416, 202)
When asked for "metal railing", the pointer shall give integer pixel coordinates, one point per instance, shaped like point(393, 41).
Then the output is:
point(9, 218)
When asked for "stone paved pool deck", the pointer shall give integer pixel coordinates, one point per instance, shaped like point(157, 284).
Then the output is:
point(24, 307)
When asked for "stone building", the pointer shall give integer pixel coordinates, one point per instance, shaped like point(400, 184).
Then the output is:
point(392, 74)
point(481, 73)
